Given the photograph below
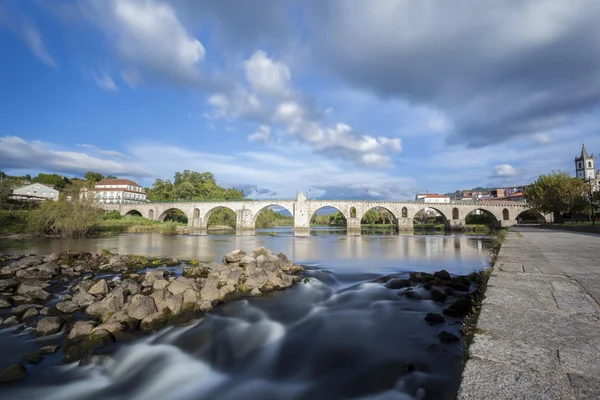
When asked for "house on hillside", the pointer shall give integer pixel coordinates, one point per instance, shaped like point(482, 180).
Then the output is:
point(36, 192)
point(118, 191)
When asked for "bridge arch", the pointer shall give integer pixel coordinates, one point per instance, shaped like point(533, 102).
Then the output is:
point(169, 211)
point(423, 210)
point(478, 216)
point(530, 216)
point(210, 211)
point(261, 209)
point(333, 222)
point(394, 218)
point(133, 212)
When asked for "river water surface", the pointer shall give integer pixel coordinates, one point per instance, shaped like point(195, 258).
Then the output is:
point(339, 336)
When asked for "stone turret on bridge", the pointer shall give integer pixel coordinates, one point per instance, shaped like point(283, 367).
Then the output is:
point(302, 209)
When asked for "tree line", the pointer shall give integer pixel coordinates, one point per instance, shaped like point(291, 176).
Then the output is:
point(563, 196)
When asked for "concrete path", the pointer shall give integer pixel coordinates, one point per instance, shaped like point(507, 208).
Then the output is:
point(538, 334)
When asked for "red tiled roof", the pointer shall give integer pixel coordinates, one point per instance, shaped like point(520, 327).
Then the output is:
point(117, 182)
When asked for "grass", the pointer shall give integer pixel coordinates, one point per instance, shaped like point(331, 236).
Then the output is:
point(135, 224)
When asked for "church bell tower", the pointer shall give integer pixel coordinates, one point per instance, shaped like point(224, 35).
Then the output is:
point(585, 165)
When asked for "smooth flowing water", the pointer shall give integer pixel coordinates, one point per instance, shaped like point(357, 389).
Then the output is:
point(339, 336)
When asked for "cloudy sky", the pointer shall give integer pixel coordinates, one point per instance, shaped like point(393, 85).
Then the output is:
point(346, 99)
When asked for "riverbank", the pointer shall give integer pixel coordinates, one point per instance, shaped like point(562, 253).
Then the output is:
point(95, 300)
point(539, 328)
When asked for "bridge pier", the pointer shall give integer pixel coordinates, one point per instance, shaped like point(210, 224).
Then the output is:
point(353, 225)
point(455, 225)
point(245, 220)
point(405, 224)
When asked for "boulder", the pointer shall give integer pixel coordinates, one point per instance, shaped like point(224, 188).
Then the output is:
point(35, 357)
point(443, 275)
point(152, 321)
point(200, 271)
point(13, 373)
point(205, 305)
point(447, 337)
point(260, 251)
point(210, 291)
point(48, 326)
point(99, 288)
point(43, 272)
point(248, 260)
point(21, 309)
point(80, 330)
point(10, 321)
point(24, 262)
point(459, 308)
point(153, 276)
point(110, 327)
point(83, 299)
point(397, 283)
point(257, 280)
point(67, 307)
point(181, 284)
point(190, 297)
point(438, 295)
point(39, 294)
point(113, 302)
point(4, 303)
point(8, 284)
point(31, 285)
point(234, 256)
point(160, 284)
point(141, 306)
point(30, 314)
point(433, 318)
point(130, 287)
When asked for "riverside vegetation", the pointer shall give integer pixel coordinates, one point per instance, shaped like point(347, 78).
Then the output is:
point(106, 298)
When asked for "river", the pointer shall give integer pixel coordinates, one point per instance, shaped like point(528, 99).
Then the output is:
point(339, 336)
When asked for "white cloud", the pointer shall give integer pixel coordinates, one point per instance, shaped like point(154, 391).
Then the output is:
point(266, 76)
point(105, 82)
point(261, 134)
point(150, 40)
point(36, 44)
point(29, 32)
point(504, 171)
point(270, 100)
point(18, 153)
point(542, 138)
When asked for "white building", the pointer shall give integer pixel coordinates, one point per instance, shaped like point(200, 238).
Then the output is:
point(433, 198)
point(36, 191)
point(118, 191)
point(585, 168)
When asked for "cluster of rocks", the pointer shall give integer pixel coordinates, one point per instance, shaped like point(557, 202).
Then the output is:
point(110, 298)
point(458, 293)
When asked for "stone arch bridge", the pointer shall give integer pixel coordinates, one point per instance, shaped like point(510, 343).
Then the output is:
point(198, 212)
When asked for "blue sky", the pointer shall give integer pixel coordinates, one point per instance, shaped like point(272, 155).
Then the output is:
point(347, 99)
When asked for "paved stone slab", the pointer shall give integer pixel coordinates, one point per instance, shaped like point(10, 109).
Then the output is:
point(539, 328)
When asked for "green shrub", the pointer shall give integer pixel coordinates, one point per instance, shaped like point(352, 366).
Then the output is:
point(169, 228)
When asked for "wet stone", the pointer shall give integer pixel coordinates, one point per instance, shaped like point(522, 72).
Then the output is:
point(13, 373)
point(447, 337)
point(397, 284)
point(433, 318)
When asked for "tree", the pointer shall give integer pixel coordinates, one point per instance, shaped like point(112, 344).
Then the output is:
point(66, 218)
point(51, 179)
point(557, 193)
point(93, 176)
point(111, 177)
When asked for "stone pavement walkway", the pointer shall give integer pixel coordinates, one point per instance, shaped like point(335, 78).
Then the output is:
point(538, 334)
